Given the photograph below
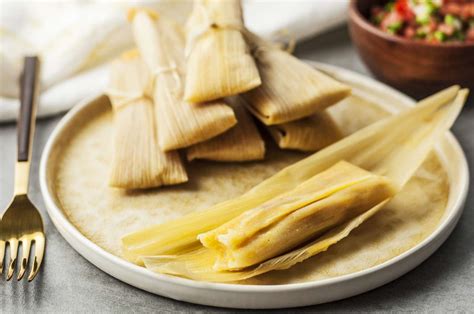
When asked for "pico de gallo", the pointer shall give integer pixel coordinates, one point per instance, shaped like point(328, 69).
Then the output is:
point(437, 21)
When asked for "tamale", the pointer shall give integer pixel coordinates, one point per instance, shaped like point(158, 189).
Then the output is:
point(219, 63)
point(308, 134)
point(408, 137)
point(137, 160)
point(291, 89)
point(199, 264)
point(241, 143)
point(180, 124)
point(283, 223)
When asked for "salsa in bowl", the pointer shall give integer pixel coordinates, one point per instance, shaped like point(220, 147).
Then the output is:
point(416, 65)
point(436, 21)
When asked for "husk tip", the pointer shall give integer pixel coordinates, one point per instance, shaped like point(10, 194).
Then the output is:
point(464, 92)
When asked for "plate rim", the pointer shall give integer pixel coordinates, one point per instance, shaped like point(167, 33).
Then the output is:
point(63, 224)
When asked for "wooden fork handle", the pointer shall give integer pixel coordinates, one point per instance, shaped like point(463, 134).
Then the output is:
point(28, 103)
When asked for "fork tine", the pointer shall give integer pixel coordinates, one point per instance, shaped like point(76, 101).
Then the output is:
point(39, 252)
point(2, 255)
point(25, 248)
point(13, 255)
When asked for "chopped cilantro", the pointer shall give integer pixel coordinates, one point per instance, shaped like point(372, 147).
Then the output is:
point(395, 27)
point(440, 36)
point(449, 19)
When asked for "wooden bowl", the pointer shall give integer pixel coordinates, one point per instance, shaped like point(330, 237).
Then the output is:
point(417, 68)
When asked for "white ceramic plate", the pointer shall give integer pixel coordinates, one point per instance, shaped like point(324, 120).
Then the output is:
point(273, 296)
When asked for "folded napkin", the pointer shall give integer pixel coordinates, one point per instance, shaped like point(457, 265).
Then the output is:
point(76, 40)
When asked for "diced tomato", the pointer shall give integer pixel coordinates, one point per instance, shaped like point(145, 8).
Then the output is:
point(402, 7)
point(451, 8)
point(464, 9)
point(409, 32)
point(432, 25)
point(467, 11)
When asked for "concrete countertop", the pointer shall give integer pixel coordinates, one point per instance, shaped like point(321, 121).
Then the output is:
point(69, 283)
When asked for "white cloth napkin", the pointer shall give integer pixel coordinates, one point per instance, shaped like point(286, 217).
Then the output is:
point(76, 39)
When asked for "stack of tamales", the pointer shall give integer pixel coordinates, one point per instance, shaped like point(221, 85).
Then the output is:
point(204, 83)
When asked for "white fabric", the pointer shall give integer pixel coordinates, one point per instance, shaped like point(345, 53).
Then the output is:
point(75, 40)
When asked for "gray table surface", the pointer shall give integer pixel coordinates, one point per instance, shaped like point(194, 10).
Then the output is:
point(69, 283)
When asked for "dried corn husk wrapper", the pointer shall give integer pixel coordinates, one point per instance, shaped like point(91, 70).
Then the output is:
point(219, 63)
point(137, 160)
point(241, 143)
point(258, 233)
point(291, 89)
point(180, 123)
point(393, 147)
point(308, 134)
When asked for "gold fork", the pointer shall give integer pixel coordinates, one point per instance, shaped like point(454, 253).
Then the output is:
point(21, 223)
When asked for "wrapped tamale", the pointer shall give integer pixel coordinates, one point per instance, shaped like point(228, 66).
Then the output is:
point(308, 134)
point(137, 160)
point(291, 89)
point(180, 123)
point(393, 147)
point(241, 143)
point(219, 63)
point(326, 200)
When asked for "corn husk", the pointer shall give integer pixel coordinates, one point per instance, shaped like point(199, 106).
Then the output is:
point(137, 160)
point(393, 147)
point(219, 63)
point(291, 89)
point(326, 200)
point(241, 143)
point(308, 134)
point(180, 124)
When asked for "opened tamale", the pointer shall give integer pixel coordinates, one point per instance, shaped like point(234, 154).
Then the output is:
point(199, 264)
point(308, 134)
point(323, 210)
point(291, 89)
point(330, 198)
point(180, 123)
point(219, 63)
point(137, 160)
point(241, 143)
point(393, 147)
